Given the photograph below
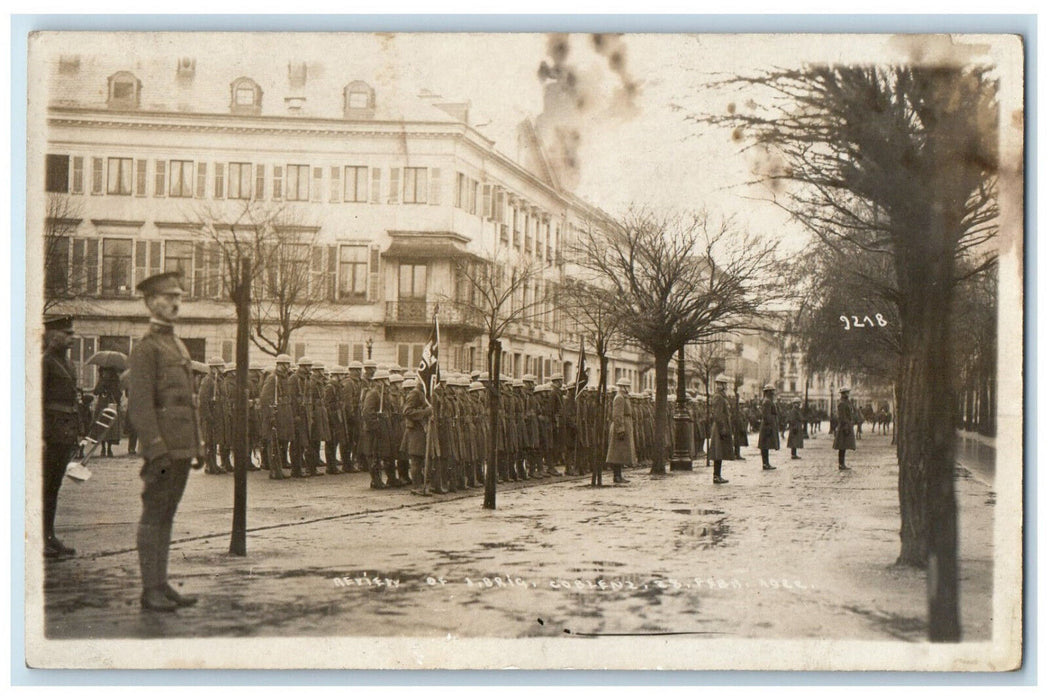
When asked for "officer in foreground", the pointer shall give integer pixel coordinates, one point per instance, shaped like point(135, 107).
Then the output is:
point(61, 423)
point(163, 411)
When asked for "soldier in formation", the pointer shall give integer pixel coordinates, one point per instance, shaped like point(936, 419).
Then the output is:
point(844, 433)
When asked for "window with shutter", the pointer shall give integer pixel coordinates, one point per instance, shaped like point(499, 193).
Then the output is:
point(376, 185)
point(97, 175)
point(120, 175)
point(394, 185)
point(317, 193)
point(332, 267)
point(181, 184)
point(227, 350)
point(435, 186)
point(220, 180)
point(335, 194)
point(160, 178)
point(300, 351)
point(374, 290)
point(140, 178)
point(260, 182)
point(358, 352)
point(78, 175)
point(487, 202)
point(57, 173)
point(460, 189)
point(201, 180)
point(278, 182)
point(404, 354)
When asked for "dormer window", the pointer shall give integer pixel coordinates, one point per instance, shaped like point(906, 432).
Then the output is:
point(124, 89)
point(359, 100)
point(245, 96)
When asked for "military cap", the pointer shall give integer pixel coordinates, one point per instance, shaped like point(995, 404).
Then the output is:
point(623, 381)
point(305, 362)
point(484, 377)
point(283, 359)
point(164, 283)
point(476, 386)
point(409, 383)
point(59, 323)
point(397, 369)
point(769, 387)
point(530, 378)
point(356, 364)
point(410, 374)
point(369, 363)
point(395, 377)
point(216, 362)
point(317, 365)
point(542, 388)
point(381, 374)
point(231, 367)
point(505, 378)
point(722, 379)
point(338, 369)
point(556, 379)
point(382, 365)
point(845, 390)
point(474, 374)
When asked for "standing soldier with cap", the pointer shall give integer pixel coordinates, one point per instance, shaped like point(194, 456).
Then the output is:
point(61, 423)
point(352, 388)
point(163, 412)
point(739, 422)
point(320, 427)
point(797, 426)
point(844, 435)
point(332, 392)
point(621, 448)
point(279, 417)
point(375, 412)
point(211, 401)
point(416, 412)
point(301, 403)
point(722, 429)
point(769, 427)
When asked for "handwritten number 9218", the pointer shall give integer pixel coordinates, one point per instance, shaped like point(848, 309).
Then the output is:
point(866, 322)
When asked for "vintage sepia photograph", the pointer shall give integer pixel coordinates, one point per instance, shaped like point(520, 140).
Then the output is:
point(524, 351)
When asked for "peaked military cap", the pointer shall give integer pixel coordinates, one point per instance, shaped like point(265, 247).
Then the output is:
point(845, 390)
point(59, 323)
point(164, 283)
point(769, 387)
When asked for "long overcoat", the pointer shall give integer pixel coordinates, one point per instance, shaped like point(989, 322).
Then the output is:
point(722, 429)
point(375, 412)
point(278, 415)
point(797, 424)
point(769, 435)
point(844, 435)
point(620, 436)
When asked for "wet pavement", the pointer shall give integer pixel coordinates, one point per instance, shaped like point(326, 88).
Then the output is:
point(977, 453)
point(805, 551)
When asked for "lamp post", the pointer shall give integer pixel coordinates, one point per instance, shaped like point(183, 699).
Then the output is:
point(368, 344)
point(683, 433)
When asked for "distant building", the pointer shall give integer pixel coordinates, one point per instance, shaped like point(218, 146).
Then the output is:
point(390, 189)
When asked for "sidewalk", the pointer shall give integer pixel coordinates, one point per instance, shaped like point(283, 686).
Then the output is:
point(801, 552)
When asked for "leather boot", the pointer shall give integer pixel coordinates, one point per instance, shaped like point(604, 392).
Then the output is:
point(156, 600)
point(376, 477)
point(182, 601)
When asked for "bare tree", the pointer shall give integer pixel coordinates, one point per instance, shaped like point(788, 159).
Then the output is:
point(64, 283)
point(678, 279)
point(900, 160)
point(288, 290)
point(497, 292)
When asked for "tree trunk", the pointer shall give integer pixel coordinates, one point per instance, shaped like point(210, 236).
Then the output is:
point(658, 461)
point(494, 367)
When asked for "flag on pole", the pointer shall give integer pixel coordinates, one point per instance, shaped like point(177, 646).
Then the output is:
point(429, 366)
point(582, 375)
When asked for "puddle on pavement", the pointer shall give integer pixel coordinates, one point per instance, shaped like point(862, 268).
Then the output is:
point(703, 535)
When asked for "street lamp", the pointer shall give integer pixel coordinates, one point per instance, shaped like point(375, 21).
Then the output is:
point(683, 432)
point(368, 344)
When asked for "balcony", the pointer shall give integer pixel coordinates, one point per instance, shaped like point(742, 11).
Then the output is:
point(418, 313)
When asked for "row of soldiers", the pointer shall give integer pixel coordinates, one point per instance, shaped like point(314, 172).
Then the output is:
point(380, 419)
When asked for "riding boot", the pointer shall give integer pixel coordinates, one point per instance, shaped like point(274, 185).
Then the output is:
point(376, 475)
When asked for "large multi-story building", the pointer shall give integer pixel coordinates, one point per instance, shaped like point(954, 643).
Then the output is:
point(150, 161)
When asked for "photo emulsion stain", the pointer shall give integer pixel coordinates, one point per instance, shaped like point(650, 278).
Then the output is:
point(685, 337)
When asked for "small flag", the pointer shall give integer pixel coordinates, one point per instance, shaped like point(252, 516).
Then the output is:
point(429, 366)
point(582, 376)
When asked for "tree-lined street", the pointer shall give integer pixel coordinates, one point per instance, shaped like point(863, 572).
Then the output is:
point(802, 552)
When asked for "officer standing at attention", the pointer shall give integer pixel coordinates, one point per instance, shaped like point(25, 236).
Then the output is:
point(61, 423)
point(164, 413)
point(844, 435)
point(722, 429)
point(769, 430)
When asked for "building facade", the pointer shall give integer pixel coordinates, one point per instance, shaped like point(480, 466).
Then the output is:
point(150, 163)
